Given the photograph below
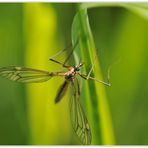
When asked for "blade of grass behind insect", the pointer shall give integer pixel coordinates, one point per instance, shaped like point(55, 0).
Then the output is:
point(94, 96)
point(40, 28)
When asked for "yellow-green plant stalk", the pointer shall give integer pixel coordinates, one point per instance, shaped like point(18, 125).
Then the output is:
point(45, 118)
point(93, 94)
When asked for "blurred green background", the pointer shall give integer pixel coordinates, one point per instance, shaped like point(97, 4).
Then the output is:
point(32, 32)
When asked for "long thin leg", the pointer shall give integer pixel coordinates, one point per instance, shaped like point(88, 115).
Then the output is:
point(108, 74)
point(64, 64)
point(68, 57)
point(88, 75)
point(55, 61)
point(61, 51)
point(91, 78)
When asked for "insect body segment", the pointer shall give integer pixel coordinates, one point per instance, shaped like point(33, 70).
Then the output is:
point(28, 75)
point(61, 92)
point(69, 77)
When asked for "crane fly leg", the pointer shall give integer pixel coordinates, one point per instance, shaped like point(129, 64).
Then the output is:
point(91, 78)
point(55, 61)
point(68, 57)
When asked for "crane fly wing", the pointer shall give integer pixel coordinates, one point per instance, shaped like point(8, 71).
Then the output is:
point(62, 90)
point(25, 75)
point(78, 118)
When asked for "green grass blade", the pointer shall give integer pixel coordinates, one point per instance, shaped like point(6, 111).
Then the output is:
point(138, 8)
point(44, 116)
point(93, 93)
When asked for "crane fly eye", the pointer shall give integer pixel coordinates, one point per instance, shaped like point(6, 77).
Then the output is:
point(77, 69)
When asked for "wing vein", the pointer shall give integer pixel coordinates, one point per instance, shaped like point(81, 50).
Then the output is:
point(78, 118)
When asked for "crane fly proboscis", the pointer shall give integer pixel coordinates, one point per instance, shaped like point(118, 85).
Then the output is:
point(28, 75)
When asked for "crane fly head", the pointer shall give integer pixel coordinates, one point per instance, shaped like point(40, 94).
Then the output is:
point(77, 68)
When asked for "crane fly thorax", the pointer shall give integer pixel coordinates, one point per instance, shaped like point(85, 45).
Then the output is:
point(69, 75)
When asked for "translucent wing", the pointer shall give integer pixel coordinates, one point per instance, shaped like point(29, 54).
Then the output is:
point(25, 75)
point(79, 120)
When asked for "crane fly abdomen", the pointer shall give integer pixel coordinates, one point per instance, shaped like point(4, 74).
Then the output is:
point(61, 91)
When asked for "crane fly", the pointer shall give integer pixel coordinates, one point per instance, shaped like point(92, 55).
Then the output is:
point(78, 118)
